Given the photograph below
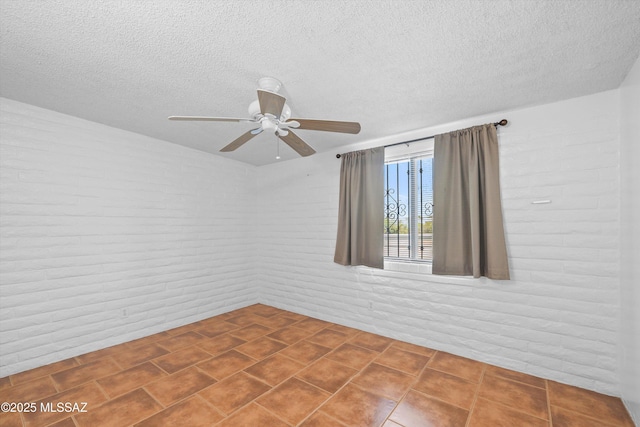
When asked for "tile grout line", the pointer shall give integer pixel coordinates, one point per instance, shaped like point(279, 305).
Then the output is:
point(349, 339)
point(14, 384)
point(254, 400)
point(324, 356)
point(55, 383)
point(516, 409)
point(209, 404)
point(415, 381)
point(159, 403)
point(23, 423)
point(546, 387)
point(588, 416)
point(268, 410)
point(331, 395)
point(446, 373)
point(476, 395)
point(347, 382)
point(326, 415)
point(307, 366)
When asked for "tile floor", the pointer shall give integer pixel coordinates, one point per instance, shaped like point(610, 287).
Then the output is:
point(264, 367)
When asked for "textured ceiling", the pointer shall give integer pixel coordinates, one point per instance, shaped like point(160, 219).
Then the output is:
point(393, 66)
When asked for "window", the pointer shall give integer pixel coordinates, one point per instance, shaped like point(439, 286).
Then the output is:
point(408, 207)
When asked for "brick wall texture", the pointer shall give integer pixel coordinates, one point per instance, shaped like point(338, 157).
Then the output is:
point(107, 236)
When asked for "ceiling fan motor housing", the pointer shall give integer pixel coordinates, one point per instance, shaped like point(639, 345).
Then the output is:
point(254, 111)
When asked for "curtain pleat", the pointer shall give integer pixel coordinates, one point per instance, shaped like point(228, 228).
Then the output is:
point(359, 239)
point(468, 230)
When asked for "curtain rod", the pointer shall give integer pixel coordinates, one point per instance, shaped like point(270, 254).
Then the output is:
point(502, 122)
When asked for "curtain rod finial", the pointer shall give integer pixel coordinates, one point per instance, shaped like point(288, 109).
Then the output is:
point(338, 156)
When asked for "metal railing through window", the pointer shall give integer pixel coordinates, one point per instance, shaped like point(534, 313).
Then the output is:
point(408, 223)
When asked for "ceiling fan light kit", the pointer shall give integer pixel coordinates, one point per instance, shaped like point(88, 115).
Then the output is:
point(271, 112)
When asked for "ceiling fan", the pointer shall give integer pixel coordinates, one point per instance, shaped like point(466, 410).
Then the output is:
point(271, 112)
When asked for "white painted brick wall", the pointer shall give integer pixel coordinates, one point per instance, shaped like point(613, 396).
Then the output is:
point(557, 318)
point(96, 220)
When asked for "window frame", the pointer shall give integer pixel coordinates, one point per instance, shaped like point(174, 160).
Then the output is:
point(411, 153)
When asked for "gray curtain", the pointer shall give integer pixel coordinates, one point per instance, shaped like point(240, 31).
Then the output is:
point(361, 211)
point(468, 232)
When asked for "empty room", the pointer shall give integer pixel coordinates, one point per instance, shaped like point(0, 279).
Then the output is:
point(366, 213)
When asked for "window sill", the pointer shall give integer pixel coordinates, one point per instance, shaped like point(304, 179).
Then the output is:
point(419, 267)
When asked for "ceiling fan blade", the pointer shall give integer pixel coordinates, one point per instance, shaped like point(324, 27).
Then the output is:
point(209, 119)
point(289, 124)
point(238, 141)
point(271, 103)
point(328, 125)
point(294, 141)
